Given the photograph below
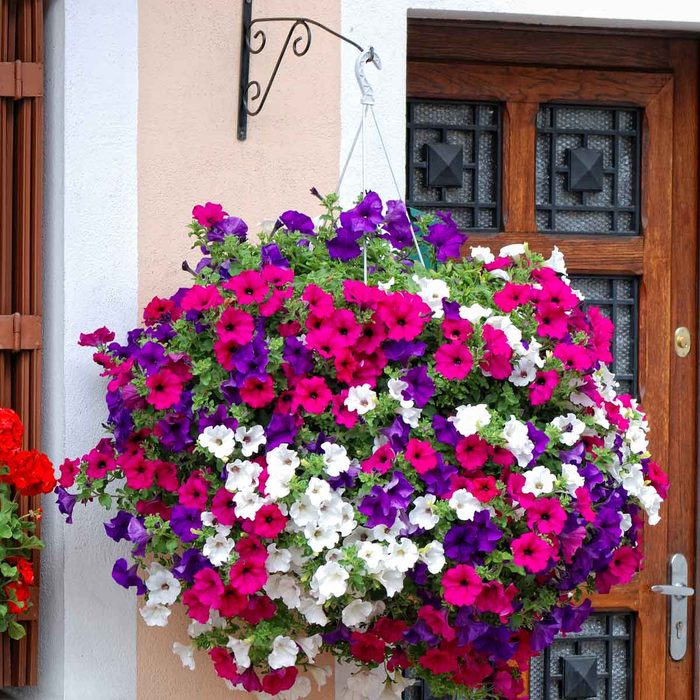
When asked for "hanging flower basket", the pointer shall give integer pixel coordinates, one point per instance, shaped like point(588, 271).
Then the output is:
point(421, 472)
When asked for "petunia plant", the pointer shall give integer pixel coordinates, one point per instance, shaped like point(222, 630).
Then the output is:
point(324, 444)
point(22, 473)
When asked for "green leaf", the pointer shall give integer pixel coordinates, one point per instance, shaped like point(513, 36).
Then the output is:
point(105, 500)
point(15, 630)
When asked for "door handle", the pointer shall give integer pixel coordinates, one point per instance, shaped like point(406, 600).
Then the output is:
point(678, 592)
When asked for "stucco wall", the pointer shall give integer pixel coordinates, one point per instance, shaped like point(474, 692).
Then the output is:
point(189, 153)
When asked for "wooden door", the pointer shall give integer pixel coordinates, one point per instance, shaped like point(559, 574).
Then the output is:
point(519, 101)
point(21, 139)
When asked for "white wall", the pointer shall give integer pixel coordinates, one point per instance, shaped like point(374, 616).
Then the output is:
point(88, 624)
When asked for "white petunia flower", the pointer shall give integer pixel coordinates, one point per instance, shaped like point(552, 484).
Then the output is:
point(242, 475)
point(219, 440)
point(155, 615)
point(303, 512)
point(514, 250)
point(513, 334)
point(392, 580)
point(163, 587)
point(410, 416)
point(396, 388)
point(241, 652)
point(465, 504)
point(217, 549)
point(312, 611)
point(518, 441)
point(482, 254)
point(432, 292)
point(251, 439)
point(310, 646)
point(361, 399)
point(248, 503)
point(474, 313)
point(572, 478)
point(330, 580)
point(335, 459)
point(279, 586)
point(318, 491)
point(281, 466)
point(433, 556)
point(470, 419)
point(423, 513)
point(186, 654)
point(320, 538)
point(524, 372)
point(539, 480)
point(197, 629)
point(402, 554)
point(556, 261)
point(278, 560)
point(373, 555)
point(357, 613)
point(571, 428)
point(284, 652)
point(386, 286)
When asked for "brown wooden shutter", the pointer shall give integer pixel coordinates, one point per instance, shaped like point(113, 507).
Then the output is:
point(21, 168)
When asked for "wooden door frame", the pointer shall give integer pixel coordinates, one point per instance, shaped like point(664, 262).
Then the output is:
point(484, 60)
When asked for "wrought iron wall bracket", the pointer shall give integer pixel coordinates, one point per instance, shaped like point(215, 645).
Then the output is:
point(252, 94)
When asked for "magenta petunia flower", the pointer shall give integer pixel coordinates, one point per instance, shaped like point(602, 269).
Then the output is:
point(249, 287)
point(461, 585)
point(235, 326)
point(453, 361)
point(404, 315)
point(542, 388)
point(532, 552)
point(546, 516)
point(200, 298)
point(312, 394)
point(165, 388)
point(421, 455)
point(208, 214)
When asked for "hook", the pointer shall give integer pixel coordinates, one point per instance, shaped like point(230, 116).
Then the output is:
point(367, 56)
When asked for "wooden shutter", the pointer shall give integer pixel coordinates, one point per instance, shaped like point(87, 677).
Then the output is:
point(21, 146)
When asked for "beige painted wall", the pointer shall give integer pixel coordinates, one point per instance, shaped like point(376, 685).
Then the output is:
point(188, 153)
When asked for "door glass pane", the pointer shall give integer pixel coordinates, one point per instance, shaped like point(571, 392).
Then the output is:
point(587, 169)
point(594, 663)
point(454, 161)
point(617, 298)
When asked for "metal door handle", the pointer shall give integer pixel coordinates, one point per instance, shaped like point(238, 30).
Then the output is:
point(677, 590)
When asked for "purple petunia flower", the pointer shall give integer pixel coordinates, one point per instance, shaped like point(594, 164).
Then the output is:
point(118, 527)
point(344, 245)
point(296, 221)
point(270, 254)
point(138, 535)
point(399, 491)
point(445, 237)
point(230, 226)
point(445, 431)
point(378, 508)
point(397, 225)
point(402, 351)
point(189, 564)
point(420, 386)
point(397, 434)
point(218, 417)
point(183, 520)
point(66, 503)
point(467, 543)
point(539, 440)
point(150, 356)
point(279, 430)
point(297, 355)
point(127, 577)
point(365, 217)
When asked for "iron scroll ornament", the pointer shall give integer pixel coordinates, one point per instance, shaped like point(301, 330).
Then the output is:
point(251, 94)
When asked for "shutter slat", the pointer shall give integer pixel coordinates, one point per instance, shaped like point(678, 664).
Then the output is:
point(21, 163)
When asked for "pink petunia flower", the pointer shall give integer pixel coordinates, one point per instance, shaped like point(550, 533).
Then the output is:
point(194, 492)
point(99, 464)
point(208, 214)
point(346, 327)
point(472, 452)
point(200, 298)
point(269, 521)
point(224, 507)
point(381, 460)
point(404, 315)
point(546, 515)
point(421, 455)
point(453, 361)
point(542, 388)
point(165, 389)
point(320, 302)
point(461, 584)
point(258, 392)
point(511, 296)
point(551, 320)
point(532, 552)
point(249, 287)
point(277, 276)
point(494, 598)
point(166, 475)
point(457, 329)
point(208, 587)
point(248, 576)
point(312, 394)
point(235, 326)
point(138, 470)
point(573, 357)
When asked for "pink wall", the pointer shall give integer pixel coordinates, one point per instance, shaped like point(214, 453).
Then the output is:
point(188, 153)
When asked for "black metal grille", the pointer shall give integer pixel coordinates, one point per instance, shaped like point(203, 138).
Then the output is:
point(475, 126)
point(617, 297)
point(614, 133)
point(609, 637)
